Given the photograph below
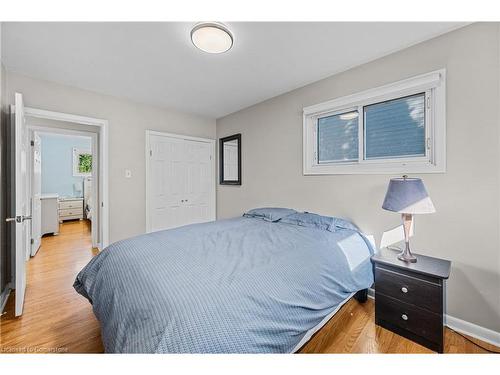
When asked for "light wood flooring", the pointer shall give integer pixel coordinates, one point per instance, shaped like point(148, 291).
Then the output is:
point(55, 317)
point(58, 320)
point(353, 330)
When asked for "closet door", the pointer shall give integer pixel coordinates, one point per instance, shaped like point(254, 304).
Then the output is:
point(200, 181)
point(180, 182)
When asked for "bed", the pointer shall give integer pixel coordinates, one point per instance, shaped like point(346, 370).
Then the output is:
point(261, 283)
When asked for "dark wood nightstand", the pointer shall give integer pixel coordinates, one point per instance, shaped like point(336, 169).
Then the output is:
point(410, 297)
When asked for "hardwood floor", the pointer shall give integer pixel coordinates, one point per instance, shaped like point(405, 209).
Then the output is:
point(353, 330)
point(58, 320)
point(55, 317)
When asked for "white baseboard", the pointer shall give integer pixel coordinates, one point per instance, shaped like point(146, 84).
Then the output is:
point(371, 293)
point(4, 297)
point(473, 330)
point(462, 326)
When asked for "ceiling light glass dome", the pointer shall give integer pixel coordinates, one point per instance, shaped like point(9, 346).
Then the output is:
point(212, 37)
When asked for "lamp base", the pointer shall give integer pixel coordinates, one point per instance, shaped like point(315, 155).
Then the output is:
point(406, 255)
point(409, 258)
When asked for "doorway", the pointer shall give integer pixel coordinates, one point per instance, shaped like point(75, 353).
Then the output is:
point(63, 181)
point(28, 124)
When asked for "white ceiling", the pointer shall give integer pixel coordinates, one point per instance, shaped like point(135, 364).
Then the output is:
point(156, 63)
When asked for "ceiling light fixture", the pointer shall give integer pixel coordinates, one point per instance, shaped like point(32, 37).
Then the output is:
point(212, 37)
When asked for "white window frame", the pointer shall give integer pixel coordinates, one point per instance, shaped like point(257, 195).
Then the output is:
point(76, 159)
point(433, 84)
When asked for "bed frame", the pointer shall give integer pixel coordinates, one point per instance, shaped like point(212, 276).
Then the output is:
point(361, 295)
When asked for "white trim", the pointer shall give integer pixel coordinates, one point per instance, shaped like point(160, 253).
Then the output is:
point(470, 329)
point(61, 116)
point(150, 133)
point(371, 293)
point(103, 160)
point(484, 334)
point(417, 83)
point(180, 136)
point(4, 297)
point(434, 86)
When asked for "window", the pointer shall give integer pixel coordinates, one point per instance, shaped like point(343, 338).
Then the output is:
point(397, 128)
point(338, 137)
point(82, 162)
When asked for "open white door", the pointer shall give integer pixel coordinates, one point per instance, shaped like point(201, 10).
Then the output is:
point(36, 203)
point(22, 242)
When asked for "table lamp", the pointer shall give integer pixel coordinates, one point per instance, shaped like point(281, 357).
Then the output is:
point(407, 196)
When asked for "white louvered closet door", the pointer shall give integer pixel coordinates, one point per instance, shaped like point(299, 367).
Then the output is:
point(181, 182)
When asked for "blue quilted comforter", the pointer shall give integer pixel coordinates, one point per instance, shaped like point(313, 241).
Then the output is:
point(242, 285)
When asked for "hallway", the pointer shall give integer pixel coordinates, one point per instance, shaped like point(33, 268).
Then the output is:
point(55, 319)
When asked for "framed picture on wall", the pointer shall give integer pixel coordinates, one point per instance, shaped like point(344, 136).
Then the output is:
point(82, 162)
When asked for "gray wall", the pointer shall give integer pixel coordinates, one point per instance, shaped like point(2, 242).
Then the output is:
point(127, 124)
point(465, 228)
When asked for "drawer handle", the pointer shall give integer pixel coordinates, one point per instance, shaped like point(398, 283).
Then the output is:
point(404, 317)
point(404, 289)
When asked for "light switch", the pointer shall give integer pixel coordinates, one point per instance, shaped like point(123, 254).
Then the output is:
point(128, 173)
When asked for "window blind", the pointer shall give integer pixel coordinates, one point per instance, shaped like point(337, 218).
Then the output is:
point(395, 128)
point(338, 137)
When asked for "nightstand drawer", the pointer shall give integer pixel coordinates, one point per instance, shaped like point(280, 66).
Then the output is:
point(63, 205)
point(418, 321)
point(71, 212)
point(409, 289)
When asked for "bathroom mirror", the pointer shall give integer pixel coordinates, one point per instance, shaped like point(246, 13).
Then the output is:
point(230, 160)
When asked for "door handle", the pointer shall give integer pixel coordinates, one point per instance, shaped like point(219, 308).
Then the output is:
point(18, 219)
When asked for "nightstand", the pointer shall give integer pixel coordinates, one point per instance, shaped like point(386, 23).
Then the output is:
point(70, 209)
point(410, 297)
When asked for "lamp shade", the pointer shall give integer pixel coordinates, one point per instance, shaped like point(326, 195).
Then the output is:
point(408, 196)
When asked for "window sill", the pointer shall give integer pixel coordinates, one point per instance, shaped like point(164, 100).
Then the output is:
point(373, 168)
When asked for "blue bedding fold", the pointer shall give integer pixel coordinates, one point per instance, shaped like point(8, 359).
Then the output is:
point(242, 285)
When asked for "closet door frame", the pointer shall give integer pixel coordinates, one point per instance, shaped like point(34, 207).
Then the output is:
point(211, 142)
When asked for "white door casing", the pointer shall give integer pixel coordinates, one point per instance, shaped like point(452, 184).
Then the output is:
point(180, 181)
point(100, 236)
point(36, 203)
